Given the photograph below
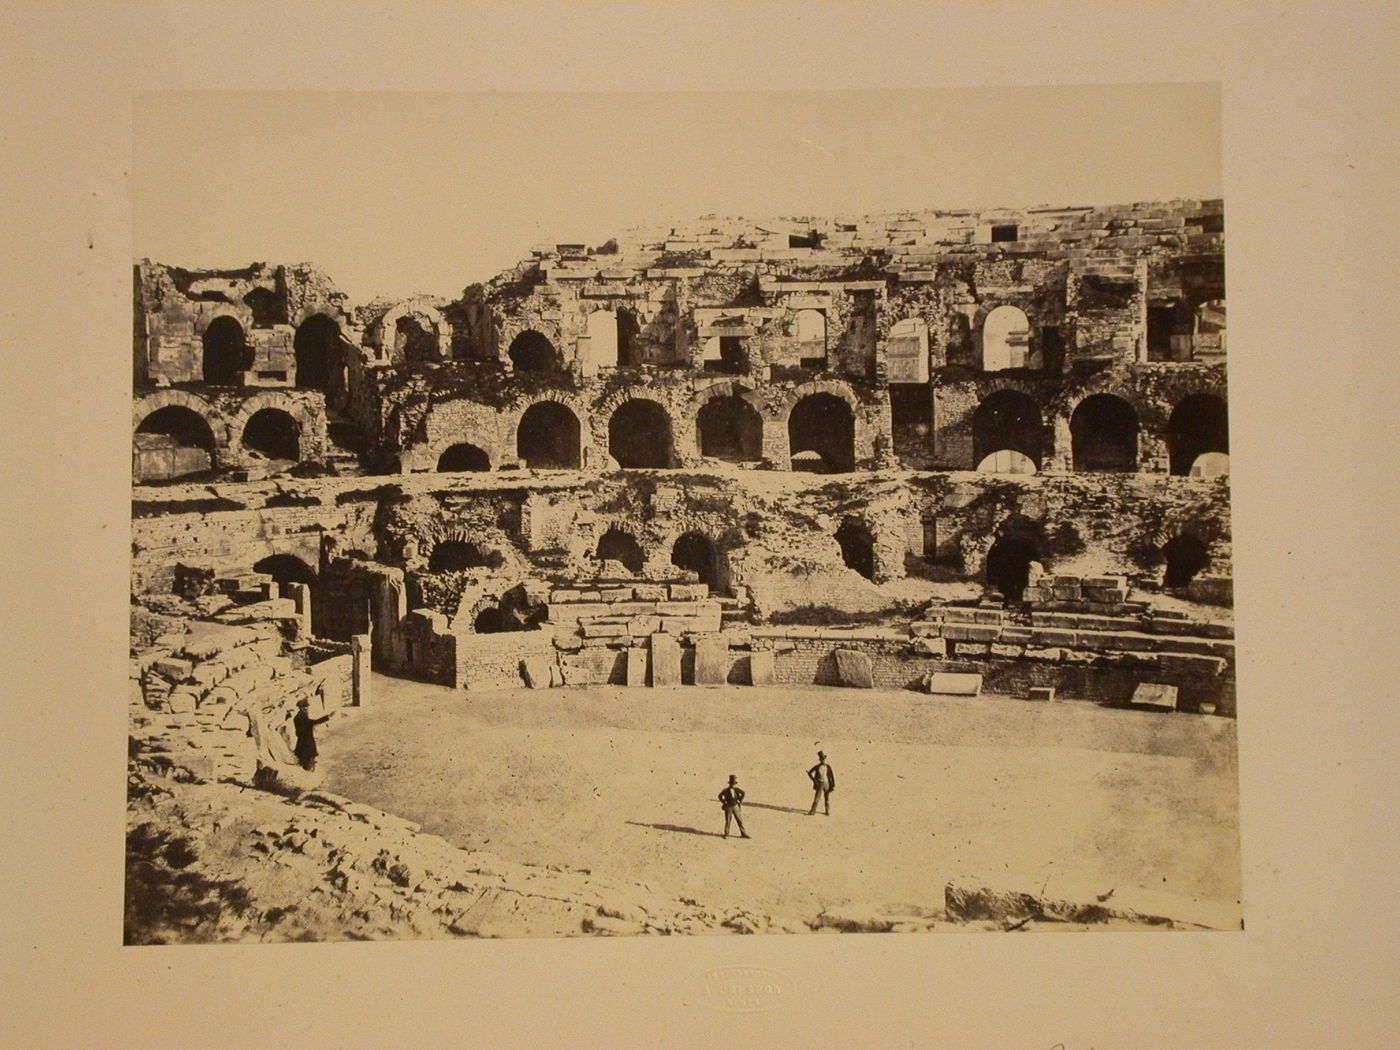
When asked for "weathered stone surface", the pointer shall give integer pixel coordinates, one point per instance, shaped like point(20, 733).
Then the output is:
point(931, 646)
point(711, 659)
point(762, 669)
point(854, 669)
point(1155, 694)
point(948, 683)
point(636, 667)
point(1040, 692)
point(665, 660)
point(536, 670)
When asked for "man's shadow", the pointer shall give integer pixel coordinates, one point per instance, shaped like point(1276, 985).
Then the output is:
point(675, 827)
point(780, 809)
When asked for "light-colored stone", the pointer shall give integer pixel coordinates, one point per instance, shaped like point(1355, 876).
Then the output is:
point(665, 660)
point(762, 670)
point(711, 659)
point(854, 669)
point(949, 683)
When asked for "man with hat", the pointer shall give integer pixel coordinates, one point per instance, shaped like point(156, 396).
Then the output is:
point(306, 735)
point(732, 799)
point(824, 781)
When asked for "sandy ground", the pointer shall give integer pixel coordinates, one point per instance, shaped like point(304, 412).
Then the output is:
point(623, 782)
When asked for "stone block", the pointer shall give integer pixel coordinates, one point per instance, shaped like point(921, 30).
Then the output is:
point(665, 660)
point(930, 646)
point(1040, 692)
point(709, 616)
point(1045, 636)
point(604, 630)
point(181, 702)
point(972, 648)
point(1066, 588)
point(616, 594)
point(947, 683)
point(1202, 666)
point(1155, 694)
point(926, 629)
point(1106, 595)
point(1013, 635)
point(172, 668)
point(854, 669)
point(689, 591)
point(971, 632)
point(643, 626)
point(556, 676)
point(762, 670)
point(1006, 650)
point(677, 625)
point(536, 671)
point(650, 592)
point(636, 667)
point(711, 659)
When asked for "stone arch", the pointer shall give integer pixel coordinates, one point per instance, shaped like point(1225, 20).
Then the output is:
point(394, 333)
point(226, 353)
point(621, 546)
point(285, 569)
point(457, 554)
point(304, 417)
point(823, 423)
point(549, 437)
point(172, 440)
point(695, 552)
point(1186, 555)
point(273, 434)
point(318, 345)
point(463, 456)
point(1006, 332)
point(151, 403)
point(728, 427)
point(1008, 421)
point(1199, 424)
point(857, 543)
point(640, 435)
point(531, 351)
point(1104, 434)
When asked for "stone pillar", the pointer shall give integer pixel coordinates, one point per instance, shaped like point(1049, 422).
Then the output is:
point(300, 594)
point(359, 669)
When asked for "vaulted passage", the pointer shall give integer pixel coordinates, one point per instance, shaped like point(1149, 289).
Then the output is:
point(320, 360)
point(1186, 556)
point(457, 555)
point(285, 569)
point(464, 457)
point(619, 546)
point(170, 443)
point(1104, 434)
point(857, 547)
point(639, 435)
point(273, 434)
point(1007, 421)
point(532, 352)
point(730, 429)
point(226, 352)
point(1009, 564)
point(548, 437)
point(822, 424)
point(1198, 425)
point(414, 340)
point(629, 348)
point(696, 552)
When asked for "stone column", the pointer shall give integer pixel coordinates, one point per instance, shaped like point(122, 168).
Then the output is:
point(300, 594)
point(359, 669)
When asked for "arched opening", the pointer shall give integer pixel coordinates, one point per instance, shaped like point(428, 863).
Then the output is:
point(463, 457)
point(488, 621)
point(1199, 424)
point(415, 340)
point(857, 546)
point(730, 429)
point(1186, 556)
point(273, 434)
point(532, 352)
point(1211, 465)
point(514, 612)
point(285, 569)
point(695, 552)
point(602, 337)
point(170, 443)
point(263, 303)
point(811, 338)
point(823, 424)
point(320, 361)
point(1007, 421)
point(226, 352)
point(1006, 339)
point(457, 556)
point(629, 347)
point(1009, 564)
point(639, 435)
point(548, 437)
point(1104, 434)
point(616, 545)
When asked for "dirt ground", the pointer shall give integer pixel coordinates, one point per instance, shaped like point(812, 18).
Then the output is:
point(623, 783)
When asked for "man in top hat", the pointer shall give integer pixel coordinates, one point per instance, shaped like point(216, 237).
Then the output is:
point(732, 799)
point(306, 735)
point(824, 781)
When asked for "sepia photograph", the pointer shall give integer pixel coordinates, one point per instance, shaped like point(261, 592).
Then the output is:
point(602, 514)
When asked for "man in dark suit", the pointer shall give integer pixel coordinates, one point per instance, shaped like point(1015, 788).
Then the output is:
point(732, 799)
point(303, 723)
point(824, 782)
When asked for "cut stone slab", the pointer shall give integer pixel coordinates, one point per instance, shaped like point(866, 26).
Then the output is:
point(711, 659)
point(761, 668)
point(665, 660)
point(1041, 692)
point(537, 671)
point(1155, 694)
point(854, 669)
point(949, 683)
point(636, 667)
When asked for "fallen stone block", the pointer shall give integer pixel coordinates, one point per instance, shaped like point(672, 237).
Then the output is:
point(711, 659)
point(854, 669)
point(536, 671)
point(762, 669)
point(1041, 693)
point(173, 668)
point(1155, 694)
point(665, 660)
point(950, 683)
point(931, 646)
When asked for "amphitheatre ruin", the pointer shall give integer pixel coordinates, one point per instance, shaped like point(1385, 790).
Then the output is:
point(944, 493)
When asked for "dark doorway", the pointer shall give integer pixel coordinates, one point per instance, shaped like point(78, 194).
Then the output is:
point(285, 569)
point(548, 437)
point(1199, 424)
point(1010, 420)
point(730, 429)
point(1104, 432)
point(320, 361)
point(696, 553)
point(414, 340)
point(273, 434)
point(463, 457)
point(266, 309)
point(857, 547)
point(226, 352)
point(619, 546)
point(532, 352)
point(1163, 322)
point(629, 349)
point(1186, 556)
point(1009, 565)
point(456, 556)
point(639, 436)
point(823, 423)
point(170, 443)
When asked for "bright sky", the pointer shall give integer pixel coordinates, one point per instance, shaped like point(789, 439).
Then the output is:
point(395, 194)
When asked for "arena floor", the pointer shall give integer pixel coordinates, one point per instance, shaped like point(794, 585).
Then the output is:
point(623, 782)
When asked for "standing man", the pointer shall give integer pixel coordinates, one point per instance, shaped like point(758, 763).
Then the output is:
point(732, 799)
point(824, 781)
point(303, 723)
